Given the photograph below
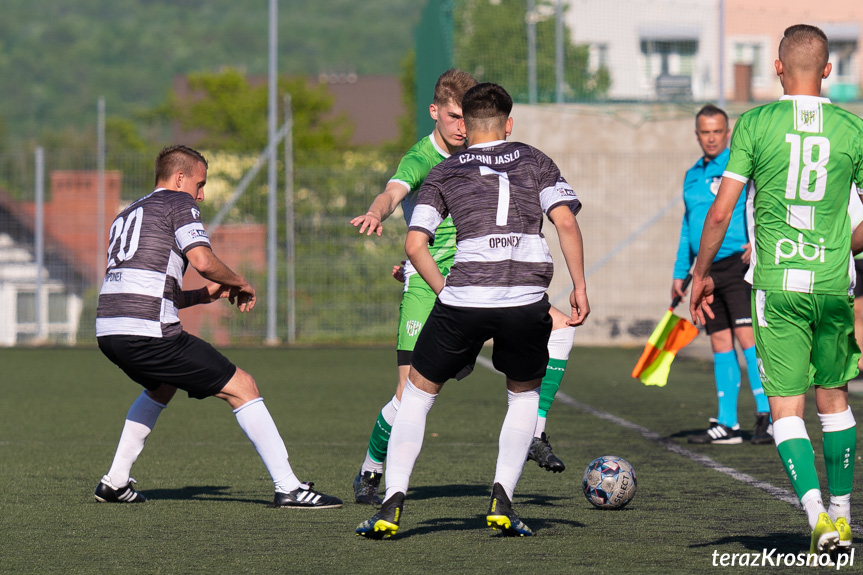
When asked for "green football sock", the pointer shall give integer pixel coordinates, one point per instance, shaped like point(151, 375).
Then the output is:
point(550, 384)
point(379, 439)
point(798, 457)
point(840, 448)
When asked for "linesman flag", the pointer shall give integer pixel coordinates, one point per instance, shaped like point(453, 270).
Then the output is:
point(671, 335)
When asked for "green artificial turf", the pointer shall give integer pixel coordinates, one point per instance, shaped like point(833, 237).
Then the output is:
point(62, 411)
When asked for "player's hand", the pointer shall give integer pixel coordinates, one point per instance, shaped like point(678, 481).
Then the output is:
point(702, 297)
point(368, 221)
point(214, 291)
point(746, 257)
point(244, 296)
point(580, 307)
point(399, 271)
point(677, 289)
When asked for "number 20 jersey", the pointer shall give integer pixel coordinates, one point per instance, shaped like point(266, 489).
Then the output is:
point(146, 261)
point(800, 155)
point(496, 194)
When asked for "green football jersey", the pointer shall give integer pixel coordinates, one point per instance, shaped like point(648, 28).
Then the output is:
point(411, 173)
point(800, 155)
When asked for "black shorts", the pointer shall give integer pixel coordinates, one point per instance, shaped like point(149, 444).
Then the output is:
point(184, 361)
point(731, 295)
point(858, 285)
point(453, 337)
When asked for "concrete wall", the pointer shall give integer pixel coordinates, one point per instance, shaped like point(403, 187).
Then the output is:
point(626, 163)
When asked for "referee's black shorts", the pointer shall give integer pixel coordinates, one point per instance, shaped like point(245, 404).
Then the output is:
point(731, 295)
point(453, 337)
point(858, 285)
point(184, 361)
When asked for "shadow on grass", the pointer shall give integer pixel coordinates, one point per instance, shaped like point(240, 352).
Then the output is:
point(687, 433)
point(478, 523)
point(198, 493)
point(784, 542)
point(443, 491)
point(426, 492)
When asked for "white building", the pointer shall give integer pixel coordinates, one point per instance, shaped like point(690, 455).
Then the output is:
point(653, 49)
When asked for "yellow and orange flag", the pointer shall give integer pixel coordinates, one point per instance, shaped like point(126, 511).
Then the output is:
point(672, 334)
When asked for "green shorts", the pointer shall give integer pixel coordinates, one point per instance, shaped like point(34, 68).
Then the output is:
point(417, 302)
point(803, 340)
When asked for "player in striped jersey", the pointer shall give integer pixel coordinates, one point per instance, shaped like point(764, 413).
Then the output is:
point(151, 244)
point(800, 156)
point(417, 299)
point(496, 193)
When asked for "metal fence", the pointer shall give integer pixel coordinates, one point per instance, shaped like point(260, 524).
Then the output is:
point(620, 127)
point(344, 291)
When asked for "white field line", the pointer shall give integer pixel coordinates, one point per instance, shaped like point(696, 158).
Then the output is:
point(775, 492)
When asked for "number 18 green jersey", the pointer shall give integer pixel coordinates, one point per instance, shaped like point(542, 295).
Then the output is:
point(800, 156)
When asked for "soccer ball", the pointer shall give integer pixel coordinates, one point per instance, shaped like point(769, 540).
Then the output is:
point(609, 482)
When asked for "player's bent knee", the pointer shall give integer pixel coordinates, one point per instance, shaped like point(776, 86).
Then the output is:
point(240, 389)
point(162, 394)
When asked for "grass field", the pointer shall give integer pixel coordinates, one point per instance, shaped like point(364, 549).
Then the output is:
point(62, 412)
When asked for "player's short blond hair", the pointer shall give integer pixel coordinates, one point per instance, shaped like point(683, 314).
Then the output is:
point(804, 49)
point(451, 86)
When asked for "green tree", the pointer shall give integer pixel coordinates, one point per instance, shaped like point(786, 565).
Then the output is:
point(230, 114)
point(491, 43)
point(406, 121)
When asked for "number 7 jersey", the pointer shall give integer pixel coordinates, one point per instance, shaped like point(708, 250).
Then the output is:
point(800, 155)
point(147, 244)
point(496, 193)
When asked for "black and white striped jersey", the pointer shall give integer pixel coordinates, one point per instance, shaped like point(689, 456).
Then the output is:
point(496, 193)
point(146, 262)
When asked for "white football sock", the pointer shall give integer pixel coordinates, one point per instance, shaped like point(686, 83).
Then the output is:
point(258, 425)
point(388, 412)
point(560, 343)
point(515, 437)
point(840, 506)
point(370, 464)
point(813, 505)
point(831, 422)
point(540, 426)
point(406, 439)
point(140, 421)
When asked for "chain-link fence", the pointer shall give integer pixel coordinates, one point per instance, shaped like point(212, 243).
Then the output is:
point(344, 290)
point(632, 75)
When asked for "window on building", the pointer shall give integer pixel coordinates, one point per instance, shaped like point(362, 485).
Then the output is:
point(842, 54)
point(598, 57)
point(751, 53)
point(669, 57)
point(669, 66)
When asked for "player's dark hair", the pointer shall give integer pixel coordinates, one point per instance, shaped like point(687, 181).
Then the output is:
point(173, 159)
point(804, 47)
point(486, 101)
point(451, 86)
point(708, 111)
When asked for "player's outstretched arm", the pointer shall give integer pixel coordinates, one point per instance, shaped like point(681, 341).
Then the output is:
point(572, 246)
point(417, 250)
point(207, 294)
point(382, 207)
point(212, 268)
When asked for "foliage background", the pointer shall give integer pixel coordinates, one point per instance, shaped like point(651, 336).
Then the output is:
point(58, 56)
